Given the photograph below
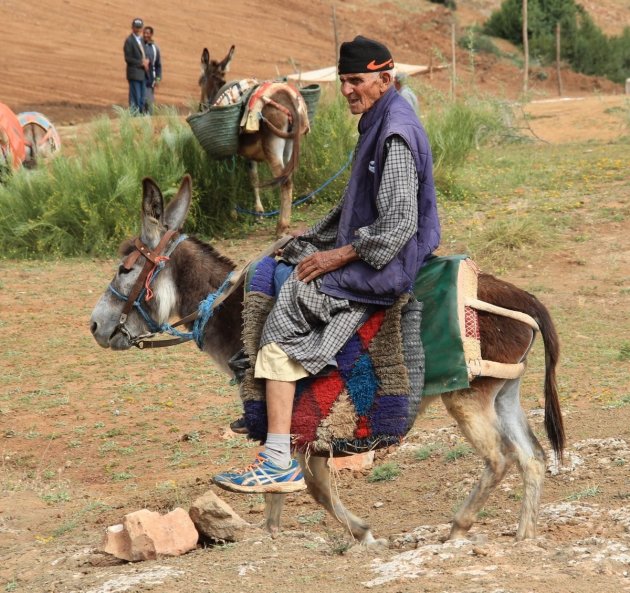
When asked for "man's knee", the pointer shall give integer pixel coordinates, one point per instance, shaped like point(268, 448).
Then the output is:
point(273, 363)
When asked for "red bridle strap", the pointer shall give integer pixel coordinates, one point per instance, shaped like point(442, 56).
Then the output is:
point(152, 260)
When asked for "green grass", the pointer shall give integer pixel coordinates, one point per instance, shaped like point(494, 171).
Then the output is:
point(424, 453)
point(589, 492)
point(312, 518)
point(624, 351)
point(457, 452)
point(384, 473)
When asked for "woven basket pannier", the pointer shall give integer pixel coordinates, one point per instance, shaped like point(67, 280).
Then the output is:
point(311, 94)
point(217, 129)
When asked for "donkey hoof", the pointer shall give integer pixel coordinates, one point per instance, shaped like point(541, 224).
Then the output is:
point(369, 541)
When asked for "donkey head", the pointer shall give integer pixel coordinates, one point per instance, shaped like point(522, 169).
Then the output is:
point(212, 75)
point(114, 322)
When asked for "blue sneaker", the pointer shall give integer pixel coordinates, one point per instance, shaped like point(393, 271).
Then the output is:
point(263, 476)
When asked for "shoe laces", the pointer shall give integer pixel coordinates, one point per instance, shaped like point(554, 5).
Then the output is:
point(258, 461)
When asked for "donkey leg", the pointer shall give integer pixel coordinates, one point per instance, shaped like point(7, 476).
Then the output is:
point(528, 452)
point(474, 412)
point(317, 478)
point(273, 509)
point(252, 169)
point(286, 193)
point(275, 154)
point(286, 201)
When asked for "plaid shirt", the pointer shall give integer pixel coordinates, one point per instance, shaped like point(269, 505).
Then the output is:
point(312, 327)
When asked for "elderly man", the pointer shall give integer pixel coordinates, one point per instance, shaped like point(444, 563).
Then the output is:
point(363, 254)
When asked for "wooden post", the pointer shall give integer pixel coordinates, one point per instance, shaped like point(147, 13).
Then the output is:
point(525, 49)
point(453, 62)
point(334, 20)
point(558, 45)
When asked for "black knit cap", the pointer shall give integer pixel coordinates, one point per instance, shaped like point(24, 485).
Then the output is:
point(364, 55)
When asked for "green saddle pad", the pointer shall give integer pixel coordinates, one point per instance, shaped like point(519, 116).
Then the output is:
point(436, 288)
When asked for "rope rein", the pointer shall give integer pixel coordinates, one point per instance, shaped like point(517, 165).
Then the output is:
point(304, 198)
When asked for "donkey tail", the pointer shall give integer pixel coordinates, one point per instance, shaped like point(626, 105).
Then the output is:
point(509, 296)
point(554, 425)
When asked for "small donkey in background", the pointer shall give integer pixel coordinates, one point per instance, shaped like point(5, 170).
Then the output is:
point(277, 142)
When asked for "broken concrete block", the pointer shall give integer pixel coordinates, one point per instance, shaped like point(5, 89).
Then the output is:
point(145, 535)
point(215, 519)
point(358, 462)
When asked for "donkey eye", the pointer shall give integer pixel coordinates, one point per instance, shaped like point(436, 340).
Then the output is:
point(123, 270)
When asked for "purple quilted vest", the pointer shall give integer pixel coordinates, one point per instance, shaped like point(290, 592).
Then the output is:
point(358, 281)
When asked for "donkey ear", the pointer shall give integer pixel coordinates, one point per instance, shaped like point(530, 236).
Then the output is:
point(205, 57)
point(152, 211)
point(224, 64)
point(177, 209)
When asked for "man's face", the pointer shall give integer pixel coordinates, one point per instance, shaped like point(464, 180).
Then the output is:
point(363, 90)
point(137, 31)
point(148, 36)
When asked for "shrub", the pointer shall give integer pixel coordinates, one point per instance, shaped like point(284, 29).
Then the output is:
point(384, 473)
point(585, 47)
point(450, 4)
point(475, 41)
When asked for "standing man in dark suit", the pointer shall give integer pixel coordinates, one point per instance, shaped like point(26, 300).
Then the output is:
point(137, 66)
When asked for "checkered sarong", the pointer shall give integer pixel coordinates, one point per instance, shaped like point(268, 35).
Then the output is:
point(312, 327)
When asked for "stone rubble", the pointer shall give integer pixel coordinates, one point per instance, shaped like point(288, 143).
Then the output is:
point(216, 520)
point(145, 535)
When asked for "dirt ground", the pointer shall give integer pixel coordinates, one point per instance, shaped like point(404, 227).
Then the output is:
point(71, 67)
point(88, 435)
point(106, 436)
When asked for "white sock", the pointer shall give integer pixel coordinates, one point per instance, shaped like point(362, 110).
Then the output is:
point(278, 449)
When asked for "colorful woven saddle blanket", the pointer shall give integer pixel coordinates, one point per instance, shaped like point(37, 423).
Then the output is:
point(255, 95)
point(369, 400)
point(262, 96)
point(427, 343)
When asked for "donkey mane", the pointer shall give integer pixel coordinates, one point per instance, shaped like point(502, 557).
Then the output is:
point(209, 250)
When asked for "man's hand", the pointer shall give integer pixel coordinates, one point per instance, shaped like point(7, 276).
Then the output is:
point(145, 64)
point(323, 262)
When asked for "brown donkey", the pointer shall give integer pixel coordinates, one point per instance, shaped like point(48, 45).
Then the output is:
point(488, 413)
point(277, 141)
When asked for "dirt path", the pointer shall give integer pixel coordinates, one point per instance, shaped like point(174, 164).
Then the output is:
point(579, 119)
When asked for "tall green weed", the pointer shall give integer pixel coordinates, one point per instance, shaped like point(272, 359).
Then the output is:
point(455, 129)
point(86, 203)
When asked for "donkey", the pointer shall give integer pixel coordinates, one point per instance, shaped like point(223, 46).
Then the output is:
point(277, 142)
point(488, 413)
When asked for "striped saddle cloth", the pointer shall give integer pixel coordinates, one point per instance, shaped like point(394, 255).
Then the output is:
point(369, 401)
